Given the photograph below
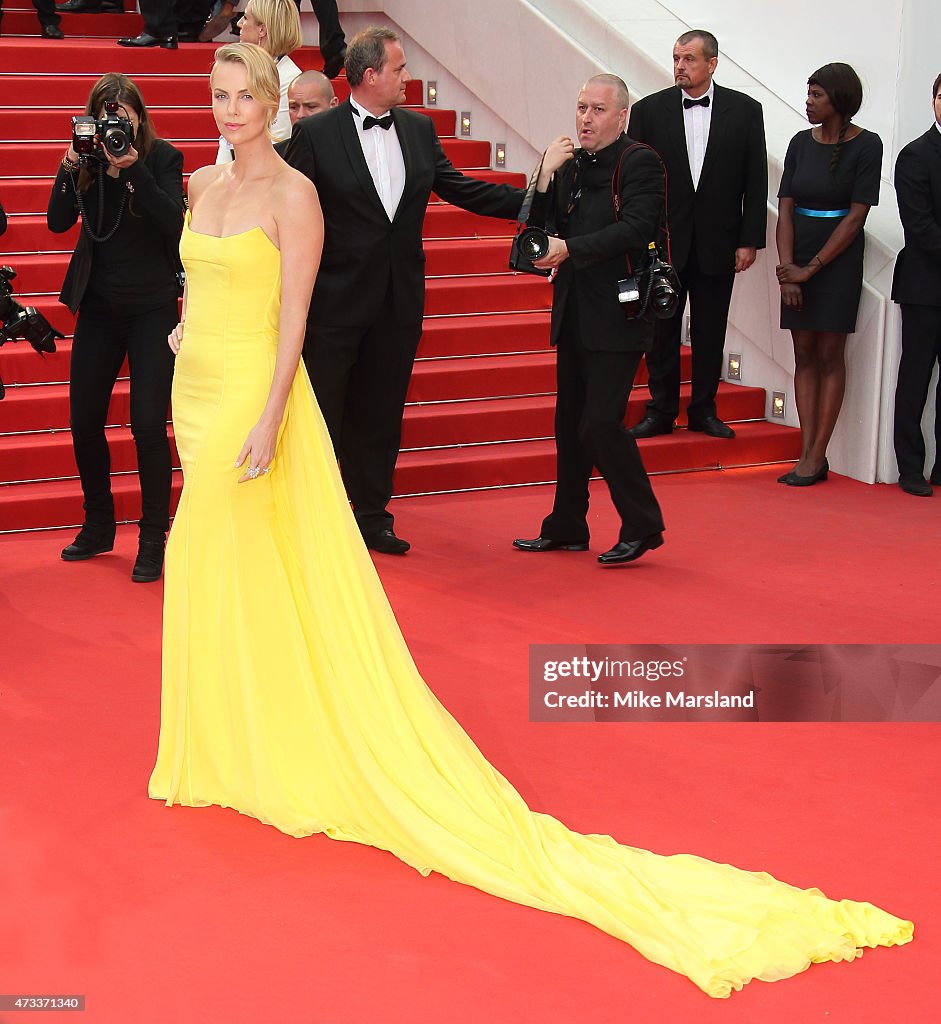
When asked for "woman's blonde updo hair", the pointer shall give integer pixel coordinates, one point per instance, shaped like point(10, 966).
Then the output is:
point(261, 70)
point(282, 25)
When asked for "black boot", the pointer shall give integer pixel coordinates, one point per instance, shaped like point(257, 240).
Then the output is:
point(93, 539)
point(149, 562)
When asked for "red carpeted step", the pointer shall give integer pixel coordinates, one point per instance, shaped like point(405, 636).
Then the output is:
point(49, 456)
point(75, 26)
point(49, 124)
point(487, 294)
point(531, 415)
point(502, 465)
point(439, 380)
point(163, 90)
point(52, 503)
point(445, 221)
point(98, 56)
point(25, 159)
point(481, 335)
point(28, 233)
point(46, 407)
point(466, 256)
point(30, 195)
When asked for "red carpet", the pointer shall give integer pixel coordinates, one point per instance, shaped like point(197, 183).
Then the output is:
point(193, 916)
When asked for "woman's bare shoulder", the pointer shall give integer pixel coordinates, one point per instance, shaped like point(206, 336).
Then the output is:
point(202, 178)
point(294, 187)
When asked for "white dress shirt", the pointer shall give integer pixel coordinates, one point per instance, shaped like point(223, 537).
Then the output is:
point(383, 153)
point(697, 120)
point(281, 126)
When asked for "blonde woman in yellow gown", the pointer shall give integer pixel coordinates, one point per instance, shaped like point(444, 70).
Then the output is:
point(288, 690)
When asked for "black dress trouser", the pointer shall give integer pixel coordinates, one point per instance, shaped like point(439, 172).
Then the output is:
point(102, 339)
point(593, 389)
point(360, 376)
point(709, 299)
point(45, 11)
point(921, 350)
point(332, 39)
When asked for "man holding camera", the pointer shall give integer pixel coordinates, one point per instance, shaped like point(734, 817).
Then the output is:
point(594, 247)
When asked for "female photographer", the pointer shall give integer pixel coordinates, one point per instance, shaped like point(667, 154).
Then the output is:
point(123, 281)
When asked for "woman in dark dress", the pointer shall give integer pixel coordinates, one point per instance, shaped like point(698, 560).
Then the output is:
point(122, 280)
point(831, 179)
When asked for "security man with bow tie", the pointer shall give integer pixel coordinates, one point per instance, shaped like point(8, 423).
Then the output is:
point(712, 141)
point(374, 165)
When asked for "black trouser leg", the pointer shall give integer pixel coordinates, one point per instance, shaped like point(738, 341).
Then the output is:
point(568, 521)
point(97, 354)
point(663, 362)
point(921, 349)
point(159, 18)
point(608, 378)
point(709, 299)
point(332, 40)
point(46, 12)
point(360, 376)
point(151, 369)
point(593, 391)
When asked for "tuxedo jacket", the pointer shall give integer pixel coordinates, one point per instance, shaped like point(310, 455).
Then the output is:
point(365, 253)
point(917, 278)
point(601, 244)
point(729, 208)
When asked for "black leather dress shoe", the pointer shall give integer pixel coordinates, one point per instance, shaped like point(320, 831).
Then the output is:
point(90, 541)
point(149, 562)
point(144, 39)
point(630, 550)
point(916, 485)
point(386, 543)
point(51, 32)
point(548, 544)
point(651, 426)
point(712, 426)
point(332, 66)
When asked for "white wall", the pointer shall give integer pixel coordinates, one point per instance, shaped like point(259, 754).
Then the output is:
point(518, 64)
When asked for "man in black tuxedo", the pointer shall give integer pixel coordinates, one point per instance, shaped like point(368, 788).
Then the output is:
point(712, 141)
point(375, 166)
point(598, 349)
point(917, 287)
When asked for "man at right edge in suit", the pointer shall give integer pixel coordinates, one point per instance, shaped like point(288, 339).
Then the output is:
point(917, 288)
point(712, 141)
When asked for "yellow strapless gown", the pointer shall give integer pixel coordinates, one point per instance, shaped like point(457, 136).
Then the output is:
point(289, 692)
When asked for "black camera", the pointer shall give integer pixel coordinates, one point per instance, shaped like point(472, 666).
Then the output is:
point(19, 322)
point(656, 290)
point(529, 245)
point(92, 136)
point(664, 288)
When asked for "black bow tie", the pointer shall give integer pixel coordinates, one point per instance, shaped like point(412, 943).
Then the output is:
point(703, 101)
point(385, 123)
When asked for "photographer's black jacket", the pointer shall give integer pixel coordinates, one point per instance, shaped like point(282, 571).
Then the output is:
point(599, 244)
point(136, 268)
point(3, 219)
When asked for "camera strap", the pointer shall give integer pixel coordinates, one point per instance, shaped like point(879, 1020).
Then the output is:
point(527, 204)
point(664, 227)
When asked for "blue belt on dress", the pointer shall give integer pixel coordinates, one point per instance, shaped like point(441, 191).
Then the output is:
point(820, 213)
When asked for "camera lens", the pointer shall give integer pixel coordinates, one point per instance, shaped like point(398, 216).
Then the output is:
point(534, 243)
point(116, 142)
